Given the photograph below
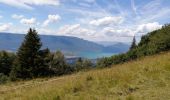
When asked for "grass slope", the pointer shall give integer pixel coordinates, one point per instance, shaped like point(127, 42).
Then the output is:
point(145, 79)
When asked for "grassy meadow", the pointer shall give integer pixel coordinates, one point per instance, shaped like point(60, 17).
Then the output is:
point(147, 78)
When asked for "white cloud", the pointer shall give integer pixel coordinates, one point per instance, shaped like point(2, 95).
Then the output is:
point(107, 21)
point(15, 16)
point(51, 19)
point(75, 30)
point(41, 2)
point(27, 4)
point(148, 27)
point(69, 30)
point(122, 32)
point(28, 21)
point(128, 32)
point(47, 31)
point(5, 27)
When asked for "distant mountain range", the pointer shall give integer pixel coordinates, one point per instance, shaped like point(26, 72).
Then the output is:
point(71, 46)
point(111, 43)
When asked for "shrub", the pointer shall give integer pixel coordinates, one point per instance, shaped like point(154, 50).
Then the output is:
point(3, 78)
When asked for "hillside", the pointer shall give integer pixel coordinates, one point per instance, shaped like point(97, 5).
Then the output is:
point(144, 79)
point(152, 43)
point(69, 45)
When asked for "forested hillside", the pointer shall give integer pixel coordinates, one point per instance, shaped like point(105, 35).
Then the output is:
point(150, 44)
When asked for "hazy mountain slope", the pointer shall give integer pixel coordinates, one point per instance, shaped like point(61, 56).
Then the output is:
point(117, 48)
point(144, 79)
point(53, 42)
point(66, 44)
point(110, 43)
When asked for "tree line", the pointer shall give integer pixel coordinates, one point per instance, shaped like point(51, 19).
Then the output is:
point(31, 61)
point(152, 43)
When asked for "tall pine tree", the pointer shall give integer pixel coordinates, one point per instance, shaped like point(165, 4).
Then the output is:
point(27, 61)
point(133, 45)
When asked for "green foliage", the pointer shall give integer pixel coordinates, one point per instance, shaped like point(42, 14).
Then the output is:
point(58, 64)
point(6, 60)
point(32, 62)
point(104, 62)
point(79, 64)
point(133, 45)
point(83, 64)
point(43, 62)
point(13, 73)
point(87, 64)
point(30, 59)
point(3, 78)
point(144, 79)
point(152, 43)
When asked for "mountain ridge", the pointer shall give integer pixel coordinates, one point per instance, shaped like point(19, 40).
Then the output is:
point(67, 44)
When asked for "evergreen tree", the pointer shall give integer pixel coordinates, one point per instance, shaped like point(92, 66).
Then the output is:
point(43, 62)
point(27, 56)
point(133, 45)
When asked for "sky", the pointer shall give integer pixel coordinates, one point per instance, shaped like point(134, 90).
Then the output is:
point(94, 20)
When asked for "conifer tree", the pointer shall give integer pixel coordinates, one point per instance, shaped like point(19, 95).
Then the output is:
point(43, 62)
point(133, 45)
point(27, 56)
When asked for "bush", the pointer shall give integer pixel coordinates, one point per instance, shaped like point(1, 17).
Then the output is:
point(3, 78)
point(6, 61)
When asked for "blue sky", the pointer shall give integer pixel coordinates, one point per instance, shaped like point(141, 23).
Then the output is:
point(94, 20)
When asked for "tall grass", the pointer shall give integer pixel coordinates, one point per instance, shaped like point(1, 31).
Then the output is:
point(144, 79)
